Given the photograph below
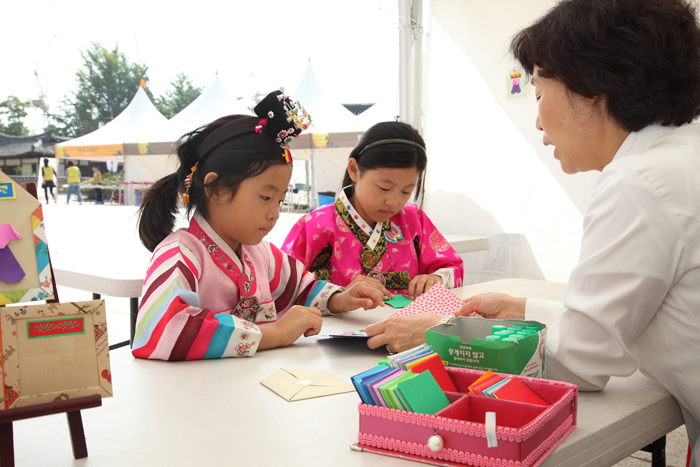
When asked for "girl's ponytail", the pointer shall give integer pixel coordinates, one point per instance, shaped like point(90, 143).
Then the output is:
point(158, 210)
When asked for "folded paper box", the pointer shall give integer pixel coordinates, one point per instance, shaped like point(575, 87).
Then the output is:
point(461, 343)
point(526, 433)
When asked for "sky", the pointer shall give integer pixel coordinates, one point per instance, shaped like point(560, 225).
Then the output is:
point(254, 45)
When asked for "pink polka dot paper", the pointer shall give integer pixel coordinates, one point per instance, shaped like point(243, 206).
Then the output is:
point(436, 300)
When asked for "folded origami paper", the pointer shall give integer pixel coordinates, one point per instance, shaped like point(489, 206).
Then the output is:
point(399, 301)
point(438, 299)
point(296, 385)
point(10, 270)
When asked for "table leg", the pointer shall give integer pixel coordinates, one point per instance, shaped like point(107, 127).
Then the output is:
point(96, 296)
point(7, 448)
point(77, 434)
point(658, 452)
point(134, 301)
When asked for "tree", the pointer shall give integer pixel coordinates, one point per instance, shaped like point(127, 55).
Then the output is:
point(180, 96)
point(14, 111)
point(107, 82)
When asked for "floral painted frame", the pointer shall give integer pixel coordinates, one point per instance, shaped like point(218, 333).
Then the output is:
point(61, 350)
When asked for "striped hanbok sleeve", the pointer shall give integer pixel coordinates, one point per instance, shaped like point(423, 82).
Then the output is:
point(291, 284)
point(171, 325)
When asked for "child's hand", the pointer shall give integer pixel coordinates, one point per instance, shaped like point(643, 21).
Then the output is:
point(374, 283)
point(360, 295)
point(421, 284)
point(296, 321)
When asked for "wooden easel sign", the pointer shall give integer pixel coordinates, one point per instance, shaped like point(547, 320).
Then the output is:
point(54, 352)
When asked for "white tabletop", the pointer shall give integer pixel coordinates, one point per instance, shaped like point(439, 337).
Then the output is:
point(467, 243)
point(215, 412)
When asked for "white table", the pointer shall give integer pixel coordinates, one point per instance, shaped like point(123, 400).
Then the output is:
point(100, 276)
point(468, 243)
point(215, 412)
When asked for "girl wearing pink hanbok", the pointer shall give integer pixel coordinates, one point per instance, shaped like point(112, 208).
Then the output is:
point(216, 289)
point(371, 231)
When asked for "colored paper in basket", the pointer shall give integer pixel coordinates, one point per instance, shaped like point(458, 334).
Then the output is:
point(516, 390)
point(438, 299)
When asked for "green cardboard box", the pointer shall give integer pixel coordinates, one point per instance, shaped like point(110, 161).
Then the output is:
point(461, 343)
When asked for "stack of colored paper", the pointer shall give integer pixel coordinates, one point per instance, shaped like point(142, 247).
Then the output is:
point(501, 387)
point(415, 381)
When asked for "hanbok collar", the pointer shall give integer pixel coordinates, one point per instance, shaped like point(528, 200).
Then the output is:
point(374, 244)
point(373, 234)
point(240, 272)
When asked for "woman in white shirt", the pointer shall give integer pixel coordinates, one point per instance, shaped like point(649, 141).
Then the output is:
point(618, 85)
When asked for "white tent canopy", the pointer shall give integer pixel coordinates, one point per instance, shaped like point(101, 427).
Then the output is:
point(133, 125)
point(327, 116)
point(334, 133)
point(213, 103)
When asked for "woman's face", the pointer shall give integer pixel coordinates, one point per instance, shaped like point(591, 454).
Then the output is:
point(583, 136)
point(381, 193)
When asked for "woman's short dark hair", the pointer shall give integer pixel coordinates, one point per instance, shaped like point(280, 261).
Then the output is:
point(390, 156)
point(234, 160)
point(642, 56)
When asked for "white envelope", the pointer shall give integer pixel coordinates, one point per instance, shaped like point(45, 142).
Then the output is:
point(296, 385)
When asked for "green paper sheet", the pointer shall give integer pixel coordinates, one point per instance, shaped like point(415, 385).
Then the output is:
point(386, 390)
point(423, 394)
point(399, 301)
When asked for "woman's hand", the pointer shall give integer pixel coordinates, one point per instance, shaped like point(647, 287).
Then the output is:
point(420, 284)
point(360, 295)
point(494, 306)
point(401, 332)
point(297, 321)
point(372, 282)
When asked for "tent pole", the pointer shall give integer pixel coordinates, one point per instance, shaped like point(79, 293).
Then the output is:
point(314, 188)
point(404, 60)
point(416, 103)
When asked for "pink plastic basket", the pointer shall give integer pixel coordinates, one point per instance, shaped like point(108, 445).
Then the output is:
point(526, 433)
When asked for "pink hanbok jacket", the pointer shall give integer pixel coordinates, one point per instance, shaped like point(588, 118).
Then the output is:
point(336, 244)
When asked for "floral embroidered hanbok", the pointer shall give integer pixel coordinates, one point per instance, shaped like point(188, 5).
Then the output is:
point(202, 300)
point(336, 244)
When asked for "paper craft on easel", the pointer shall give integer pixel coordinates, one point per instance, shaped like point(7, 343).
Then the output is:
point(10, 270)
point(25, 271)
